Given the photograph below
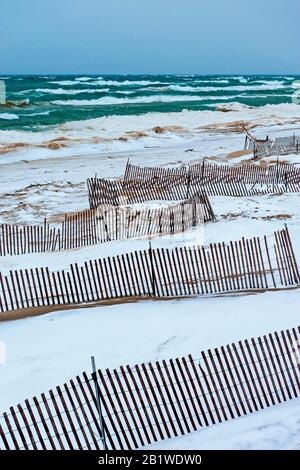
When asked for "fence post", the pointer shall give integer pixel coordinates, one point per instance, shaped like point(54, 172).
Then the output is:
point(203, 167)
point(126, 170)
point(117, 217)
point(152, 270)
point(94, 376)
point(188, 184)
point(194, 213)
point(254, 150)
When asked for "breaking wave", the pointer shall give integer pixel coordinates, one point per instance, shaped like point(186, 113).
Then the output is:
point(138, 100)
point(62, 91)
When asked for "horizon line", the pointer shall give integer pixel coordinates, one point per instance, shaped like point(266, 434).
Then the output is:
point(152, 74)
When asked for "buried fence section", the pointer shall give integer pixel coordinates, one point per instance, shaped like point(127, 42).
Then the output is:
point(246, 264)
point(154, 401)
point(104, 224)
point(16, 240)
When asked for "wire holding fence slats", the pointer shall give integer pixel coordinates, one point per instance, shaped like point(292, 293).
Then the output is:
point(246, 264)
point(151, 402)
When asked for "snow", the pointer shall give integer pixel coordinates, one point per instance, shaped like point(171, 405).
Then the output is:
point(47, 350)
point(266, 430)
point(132, 333)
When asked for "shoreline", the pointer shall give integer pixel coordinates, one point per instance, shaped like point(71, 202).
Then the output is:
point(129, 133)
point(44, 186)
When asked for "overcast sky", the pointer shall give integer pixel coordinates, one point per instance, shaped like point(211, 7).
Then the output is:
point(149, 36)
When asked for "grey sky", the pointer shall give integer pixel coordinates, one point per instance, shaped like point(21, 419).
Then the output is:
point(155, 36)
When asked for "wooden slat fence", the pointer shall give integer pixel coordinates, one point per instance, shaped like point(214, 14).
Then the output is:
point(274, 174)
point(250, 173)
point(151, 402)
point(103, 224)
point(213, 179)
point(246, 264)
point(269, 147)
point(119, 192)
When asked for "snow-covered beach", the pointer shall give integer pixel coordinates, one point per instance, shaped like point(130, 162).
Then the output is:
point(37, 181)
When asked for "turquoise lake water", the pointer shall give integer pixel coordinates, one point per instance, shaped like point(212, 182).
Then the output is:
point(54, 100)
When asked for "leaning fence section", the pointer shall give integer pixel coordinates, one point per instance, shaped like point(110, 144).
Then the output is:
point(246, 264)
point(167, 188)
point(151, 402)
point(103, 224)
point(268, 147)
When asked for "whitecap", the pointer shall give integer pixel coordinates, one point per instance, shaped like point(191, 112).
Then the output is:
point(62, 91)
point(192, 89)
point(84, 79)
point(214, 80)
point(124, 92)
point(110, 100)
point(43, 113)
point(64, 82)
point(270, 82)
point(287, 77)
point(241, 78)
point(8, 116)
point(125, 82)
